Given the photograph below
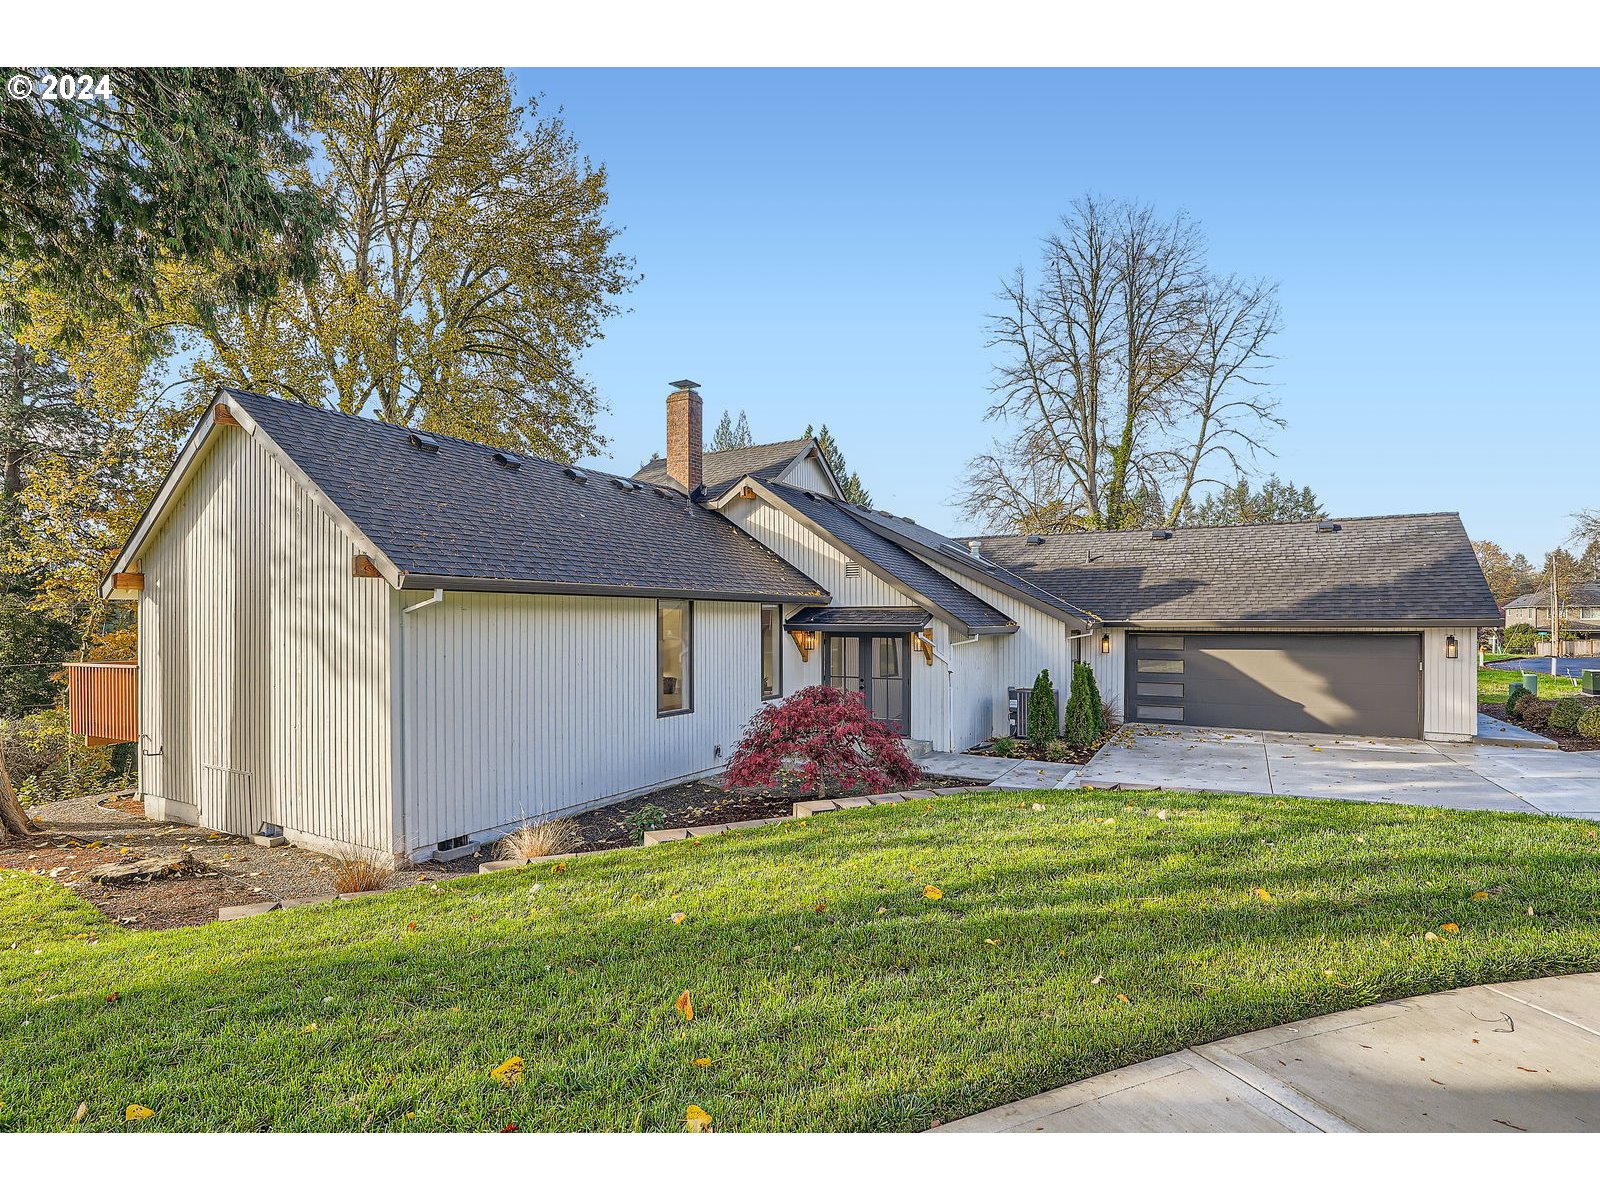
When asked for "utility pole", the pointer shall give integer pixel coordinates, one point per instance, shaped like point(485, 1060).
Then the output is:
point(1555, 619)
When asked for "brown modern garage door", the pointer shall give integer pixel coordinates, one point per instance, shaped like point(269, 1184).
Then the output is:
point(1358, 683)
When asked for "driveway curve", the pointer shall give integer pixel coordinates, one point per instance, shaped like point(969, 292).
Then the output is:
point(1500, 1058)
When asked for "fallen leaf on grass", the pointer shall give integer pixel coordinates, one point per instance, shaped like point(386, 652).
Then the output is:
point(821, 907)
point(679, 918)
point(81, 1112)
point(684, 1005)
point(511, 1127)
point(311, 1028)
point(702, 1062)
point(1097, 979)
point(138, 1112)
point(932, 893)
point(1261, 893)
point(1450, 927)
point(1038, 808)
point(881, 910)
point(1480, 895)
point(411, 925)
point(1121, 999)
point(113, 997)
point(1431, 936)
point(696, 1119)
point(1161, 815)
point(991, 942)
point(509, 1072)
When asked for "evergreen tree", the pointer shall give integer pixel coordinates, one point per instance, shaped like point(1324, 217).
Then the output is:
point(1044, 724)
point(849, 481)
point(731, 434)
point(1238, 504)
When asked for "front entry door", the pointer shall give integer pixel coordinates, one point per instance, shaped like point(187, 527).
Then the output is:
point(875, 668)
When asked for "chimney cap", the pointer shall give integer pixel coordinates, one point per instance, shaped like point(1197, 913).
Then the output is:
point(684, 385)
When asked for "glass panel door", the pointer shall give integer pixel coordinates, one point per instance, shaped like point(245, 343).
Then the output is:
point(891, 683)
point(844, 664)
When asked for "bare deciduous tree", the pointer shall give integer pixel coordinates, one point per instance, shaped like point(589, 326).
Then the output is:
point(1125, 370)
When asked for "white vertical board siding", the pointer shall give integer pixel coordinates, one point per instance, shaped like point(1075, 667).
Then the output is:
point(265, 685)
point(808, 476)
point(1109, 673)
point(1450, 685)
point(524, 706)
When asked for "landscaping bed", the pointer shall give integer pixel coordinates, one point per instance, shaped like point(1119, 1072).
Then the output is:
point(1494, 685)
point(1056, 752)
point(882, 968)
point(701, 802)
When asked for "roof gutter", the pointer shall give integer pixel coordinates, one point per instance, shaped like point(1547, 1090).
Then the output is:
point(541, 587)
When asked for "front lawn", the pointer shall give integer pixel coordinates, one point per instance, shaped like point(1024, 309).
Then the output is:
point(1493, 685)
point(873, 969)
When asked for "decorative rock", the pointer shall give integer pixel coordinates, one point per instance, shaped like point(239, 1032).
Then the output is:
point(271, 842)
point(143, 869)
point(237, 911)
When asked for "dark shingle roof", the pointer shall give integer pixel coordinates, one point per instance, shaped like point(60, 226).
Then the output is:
point(456, 515)
point(1582, 593)
point(721, 469)
point(955, 555)
point(893, 560)
point(1374, 570)
point(888, 618)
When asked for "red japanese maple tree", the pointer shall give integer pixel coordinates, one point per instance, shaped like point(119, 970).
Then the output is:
point(826, 736)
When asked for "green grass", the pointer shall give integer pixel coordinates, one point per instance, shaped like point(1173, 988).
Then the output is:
point(1493, 685)
point(882, 1011)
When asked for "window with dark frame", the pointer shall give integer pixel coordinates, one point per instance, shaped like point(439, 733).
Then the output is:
point(674, 657)
point(771, 651)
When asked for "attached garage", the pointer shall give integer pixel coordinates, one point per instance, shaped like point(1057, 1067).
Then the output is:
point(1341, 683)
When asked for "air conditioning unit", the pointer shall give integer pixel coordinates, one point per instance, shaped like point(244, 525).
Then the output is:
point(1017, 705)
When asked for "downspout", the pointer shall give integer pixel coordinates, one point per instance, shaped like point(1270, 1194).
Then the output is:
point(436, 598)
point(949, 691)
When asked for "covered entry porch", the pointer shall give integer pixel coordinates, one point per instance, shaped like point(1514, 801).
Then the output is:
point(868, 651)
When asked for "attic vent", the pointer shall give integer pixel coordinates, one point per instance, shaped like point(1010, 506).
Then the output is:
point(908, 520)
point(1328, 527)
point(423, 442)
point(1160, 535)
point(509, 461)
point(852, 569)
point(574, 473)
point(666, 493)
point(811, 495)
point(1035, 540)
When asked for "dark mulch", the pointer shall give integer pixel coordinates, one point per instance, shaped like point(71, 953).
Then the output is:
point(1567, 741)
point(1075, 755)
point(701, 803)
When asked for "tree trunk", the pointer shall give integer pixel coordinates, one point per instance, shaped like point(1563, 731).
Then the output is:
point(14, 823)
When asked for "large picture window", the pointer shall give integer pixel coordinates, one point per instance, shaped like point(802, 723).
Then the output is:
point(674, 657)
point(771, 651)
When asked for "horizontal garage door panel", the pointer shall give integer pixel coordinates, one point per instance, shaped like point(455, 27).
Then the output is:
point(1304, 683)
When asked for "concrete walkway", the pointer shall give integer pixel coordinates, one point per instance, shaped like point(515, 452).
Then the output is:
point(1515, 1056)
point(1002, 772)
point(1394, 770)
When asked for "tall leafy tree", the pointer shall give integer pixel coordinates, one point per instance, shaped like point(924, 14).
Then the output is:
point(1128, 373)
point(1507, 577)
point(730, 434)
point(849, 481)
point(186, 163)
point(1239, 503)
point(471, 265)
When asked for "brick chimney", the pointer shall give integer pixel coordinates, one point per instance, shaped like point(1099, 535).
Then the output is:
point(684, 445)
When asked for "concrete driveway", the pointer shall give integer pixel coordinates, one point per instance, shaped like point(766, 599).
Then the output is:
point(1492, 1059)
point(1392, 770)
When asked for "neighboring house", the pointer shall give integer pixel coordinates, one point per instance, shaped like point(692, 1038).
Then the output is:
point(1580, 611)
point(365, 636)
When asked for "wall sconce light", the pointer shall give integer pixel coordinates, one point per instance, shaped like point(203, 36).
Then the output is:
point(805, 641)
point(1105, 643)
point(1450, 647)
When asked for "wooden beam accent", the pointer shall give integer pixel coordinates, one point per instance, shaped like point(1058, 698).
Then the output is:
point(923, 642)
point(748, 493)
point(132, 581)
point(362, 567)
point(221, 415)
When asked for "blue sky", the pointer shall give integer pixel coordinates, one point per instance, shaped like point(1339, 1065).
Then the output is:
point(823, 246)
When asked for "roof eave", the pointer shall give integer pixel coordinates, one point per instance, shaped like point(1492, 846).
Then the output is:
point(1136, 622)
point(541, 587)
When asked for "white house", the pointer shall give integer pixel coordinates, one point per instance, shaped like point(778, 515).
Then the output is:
point(371, 637)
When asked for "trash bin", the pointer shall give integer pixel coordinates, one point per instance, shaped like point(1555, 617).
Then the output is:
point(1530, 680)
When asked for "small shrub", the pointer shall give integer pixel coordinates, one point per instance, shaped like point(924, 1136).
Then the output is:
point(1044, 721)
point(1589, 723)
point(537, 839)
point(1534, 714)
point(1565, 714)
point(47, 763)
point(1005, 747)
point(357, 871)
point(1057, 750)
point(830, 737)
point(1513, 694)
point(641, 820)
point(1085, 718)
